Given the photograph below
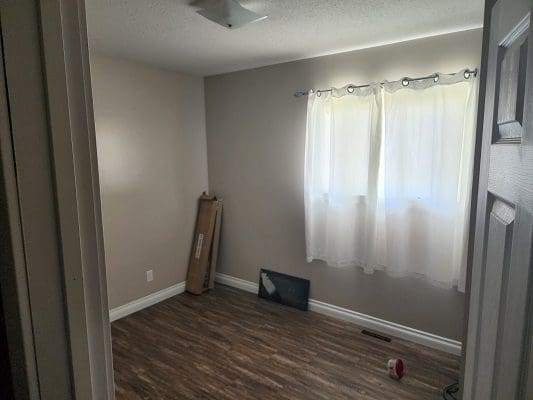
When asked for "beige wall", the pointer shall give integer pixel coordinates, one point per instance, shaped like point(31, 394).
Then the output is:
point(255, 140)
point(150, 127)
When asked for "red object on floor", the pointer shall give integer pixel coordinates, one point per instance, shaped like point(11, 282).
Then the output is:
point(396, 369)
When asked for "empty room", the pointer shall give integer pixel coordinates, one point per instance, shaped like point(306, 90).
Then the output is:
point(269, 199)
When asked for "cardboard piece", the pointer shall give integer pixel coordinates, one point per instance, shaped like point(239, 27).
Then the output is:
point(214, 249)
point(204, 252)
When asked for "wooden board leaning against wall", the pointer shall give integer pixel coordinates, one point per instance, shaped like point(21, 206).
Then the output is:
point(204, 252)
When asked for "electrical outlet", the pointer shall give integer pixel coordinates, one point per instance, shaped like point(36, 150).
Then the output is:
point(149, 276)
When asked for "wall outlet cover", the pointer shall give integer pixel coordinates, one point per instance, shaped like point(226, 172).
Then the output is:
point(149, 275)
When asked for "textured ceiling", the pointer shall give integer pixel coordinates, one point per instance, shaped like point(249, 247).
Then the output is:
point(170, 34)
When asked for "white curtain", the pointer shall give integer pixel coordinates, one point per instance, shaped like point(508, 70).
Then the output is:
point(387, 177)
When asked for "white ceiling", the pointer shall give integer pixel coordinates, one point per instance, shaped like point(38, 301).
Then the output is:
point(170, 34)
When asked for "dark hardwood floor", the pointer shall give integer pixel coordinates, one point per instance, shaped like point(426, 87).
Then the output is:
point(228, 344)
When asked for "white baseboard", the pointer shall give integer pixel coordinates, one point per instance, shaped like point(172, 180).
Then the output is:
point(236, 283)
point(363, 320)
point(147, 301)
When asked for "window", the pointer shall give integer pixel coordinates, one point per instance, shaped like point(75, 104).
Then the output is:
point(387, 177)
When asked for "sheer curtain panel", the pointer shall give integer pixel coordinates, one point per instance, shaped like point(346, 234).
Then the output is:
point(388, 175)
point(341, 162)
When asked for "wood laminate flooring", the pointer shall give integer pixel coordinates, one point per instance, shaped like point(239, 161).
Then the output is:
point(229, 344)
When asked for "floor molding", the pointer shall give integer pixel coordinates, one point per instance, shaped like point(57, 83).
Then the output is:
point(236, 283)
point(363, 320)
point(147, 301)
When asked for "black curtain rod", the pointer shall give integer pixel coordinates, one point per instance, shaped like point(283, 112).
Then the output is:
point(405, 82)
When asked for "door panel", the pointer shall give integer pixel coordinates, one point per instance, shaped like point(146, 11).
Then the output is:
point(512, 77)
point(501, 220)
point(499, 331)
point(515, 332)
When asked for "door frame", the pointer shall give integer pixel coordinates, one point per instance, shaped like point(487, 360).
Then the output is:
point(475, 175)
point(13, 277)
point(59, 333)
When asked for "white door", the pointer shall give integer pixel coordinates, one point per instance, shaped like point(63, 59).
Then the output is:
point(497, 364)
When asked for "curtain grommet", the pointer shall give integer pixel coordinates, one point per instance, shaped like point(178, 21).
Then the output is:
point(436, 78)
point(466, 74)
point(350, 89)
point(405, 82)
